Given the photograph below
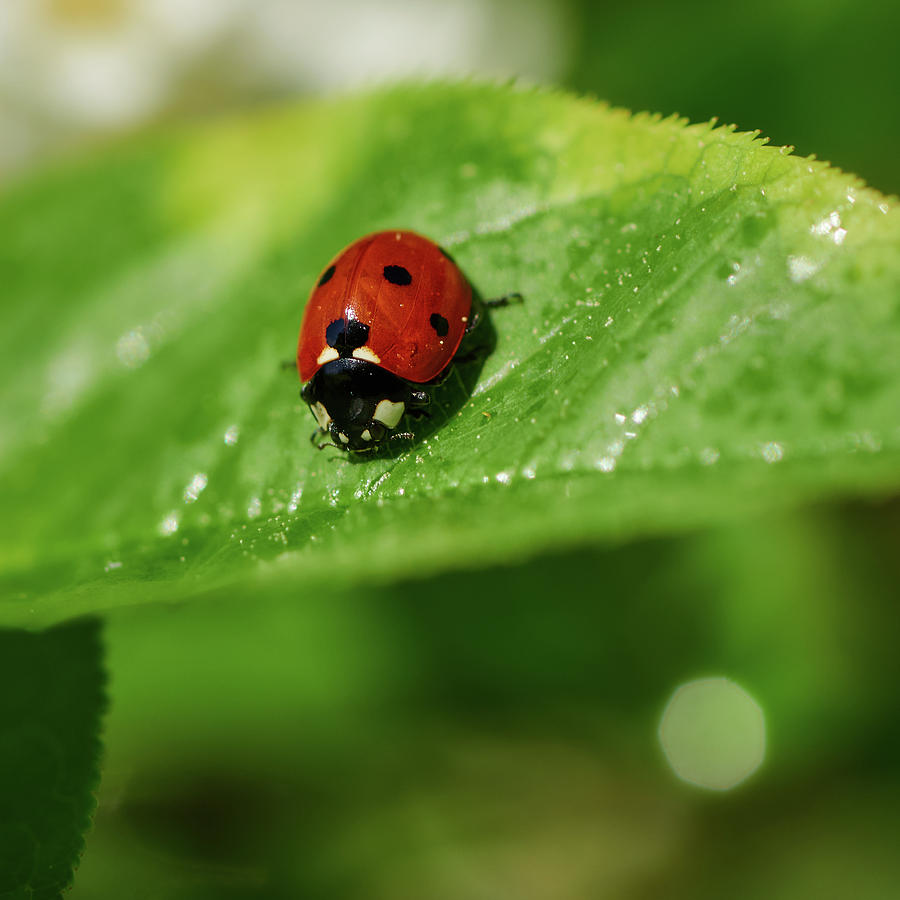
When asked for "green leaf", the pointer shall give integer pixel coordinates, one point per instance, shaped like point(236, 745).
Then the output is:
point(710, 328)
point(50, 709)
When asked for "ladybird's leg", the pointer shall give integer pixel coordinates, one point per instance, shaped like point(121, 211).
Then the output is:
point(307, 398)
point(288, 365)
point(474, 354)
point(505, 300)
point(475, 316)
point(479, 338)
point(474, 349)
point(418, 399)
point(440, 378)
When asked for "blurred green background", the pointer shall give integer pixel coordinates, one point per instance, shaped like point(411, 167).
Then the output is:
point(494, 732)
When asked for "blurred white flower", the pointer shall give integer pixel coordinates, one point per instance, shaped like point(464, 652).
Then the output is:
point(102, 62)
point(73, 67)
point(76, 66)
point(351, 42)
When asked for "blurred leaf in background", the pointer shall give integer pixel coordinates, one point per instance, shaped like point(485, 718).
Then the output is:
point(51, 700)
point(819, 76)
point(494, 731)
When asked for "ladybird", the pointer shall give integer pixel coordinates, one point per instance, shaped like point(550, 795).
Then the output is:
point(382, 324)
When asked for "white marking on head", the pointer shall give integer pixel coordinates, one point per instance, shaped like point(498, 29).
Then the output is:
point(343, 437)
point(388, 413)
point(367, 354)
point(327, 355)
point(321, 415)
point(366, 435)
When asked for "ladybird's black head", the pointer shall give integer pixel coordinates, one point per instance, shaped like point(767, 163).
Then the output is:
point(356, 402)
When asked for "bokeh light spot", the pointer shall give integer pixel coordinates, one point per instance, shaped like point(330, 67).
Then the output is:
point(713, 733)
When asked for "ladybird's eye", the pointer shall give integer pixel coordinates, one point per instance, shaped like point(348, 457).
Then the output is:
point(397, 275)
point(326, 276)
point(439, 324)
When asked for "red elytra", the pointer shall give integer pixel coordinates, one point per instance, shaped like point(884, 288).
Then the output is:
point(406, 290)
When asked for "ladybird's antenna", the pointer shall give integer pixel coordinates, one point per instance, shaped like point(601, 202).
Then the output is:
point(402, 434)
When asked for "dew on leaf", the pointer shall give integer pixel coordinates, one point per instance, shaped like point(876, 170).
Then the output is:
point(772, 452)
point(830, 225)
point(800, 268)
point(195, 487)
point(169, 524)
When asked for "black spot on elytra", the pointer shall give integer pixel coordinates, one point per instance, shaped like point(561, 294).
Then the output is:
point(439, 324)
point(326, 276)
point(345, 336)
point(397, 275)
